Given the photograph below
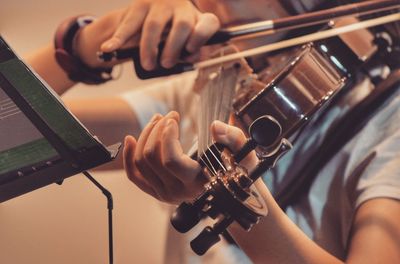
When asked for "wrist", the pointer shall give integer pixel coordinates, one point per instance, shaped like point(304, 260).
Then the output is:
point(69, 55)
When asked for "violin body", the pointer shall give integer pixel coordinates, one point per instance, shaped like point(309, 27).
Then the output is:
point(304, 83)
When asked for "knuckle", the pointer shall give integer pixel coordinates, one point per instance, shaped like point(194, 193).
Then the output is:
point(176, 188)
point(239, 139)
point(170, 162)
point(184, 25)
point(152, 25)
point(149, 154)
point(236, 134)
point(139, 163)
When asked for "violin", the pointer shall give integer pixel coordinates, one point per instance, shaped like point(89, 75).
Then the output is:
point(272, 115)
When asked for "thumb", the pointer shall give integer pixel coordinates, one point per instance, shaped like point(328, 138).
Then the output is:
point(230, 136)
point(129, 153)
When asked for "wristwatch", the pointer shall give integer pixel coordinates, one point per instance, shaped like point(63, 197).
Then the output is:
point(76, 70)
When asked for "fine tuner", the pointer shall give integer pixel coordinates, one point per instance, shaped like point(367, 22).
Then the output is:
point(269, 27)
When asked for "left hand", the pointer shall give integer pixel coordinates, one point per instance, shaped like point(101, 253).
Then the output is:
point(158, 166)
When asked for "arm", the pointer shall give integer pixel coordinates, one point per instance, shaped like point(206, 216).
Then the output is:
point(143, 19)
point(157, 164)
point(109, 118)
point(86, 43)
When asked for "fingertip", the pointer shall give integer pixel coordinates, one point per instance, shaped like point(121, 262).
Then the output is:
point(109, 45)
point(219, 128)
point(174, 115)
point(130, 139)
point(156, 117)
point(148, 64)
point(167, 63)
point(129, 145)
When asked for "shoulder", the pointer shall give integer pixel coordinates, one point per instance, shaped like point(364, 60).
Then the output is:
point(374, 156)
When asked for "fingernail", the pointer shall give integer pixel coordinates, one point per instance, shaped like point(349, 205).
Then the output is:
point(219, 127)
point(155, 118)
point(170, 122)
point(109, 45)
point(174, 115)
point(147, 65)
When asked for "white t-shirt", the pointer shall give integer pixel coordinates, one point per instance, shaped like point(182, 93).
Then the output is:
point(366, 167)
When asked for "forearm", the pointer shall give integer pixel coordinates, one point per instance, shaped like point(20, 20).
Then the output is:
point(44, 63)
point(110, 119)
point(276, 239)
point(86, 44)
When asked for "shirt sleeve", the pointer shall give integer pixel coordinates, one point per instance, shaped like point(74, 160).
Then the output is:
point(377, 149)
point(161, 97)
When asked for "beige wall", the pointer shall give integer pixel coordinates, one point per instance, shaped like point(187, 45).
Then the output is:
point(68, 223)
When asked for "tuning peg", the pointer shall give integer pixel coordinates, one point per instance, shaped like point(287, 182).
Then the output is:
point(185, 217)
point(206, 239)
point(264, 131)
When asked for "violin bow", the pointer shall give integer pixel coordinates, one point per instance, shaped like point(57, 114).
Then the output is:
point(269, 27)
point(299, 40)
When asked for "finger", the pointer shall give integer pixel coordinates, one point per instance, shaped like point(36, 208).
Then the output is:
point(234, 139)
point(130, 169)
point(182, 27)
point(206, 26)
point(146, 167)
point(230, 136)
point(140, 163)
point(153, 27)
point(153, 155)
point(192, 58)
point(179, 164)
point(129, 26)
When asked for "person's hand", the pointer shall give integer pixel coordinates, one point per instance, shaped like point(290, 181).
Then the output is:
point(158, 166)
point(189, 30)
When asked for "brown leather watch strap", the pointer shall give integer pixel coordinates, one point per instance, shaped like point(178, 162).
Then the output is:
point(70, 62)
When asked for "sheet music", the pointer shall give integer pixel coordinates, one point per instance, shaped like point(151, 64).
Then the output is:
point(15, 127)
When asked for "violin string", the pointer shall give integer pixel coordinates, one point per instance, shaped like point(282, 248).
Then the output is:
point(216, 100)
point(218, 160)
point(206, 164)
point(215, 97)
point(214, 170)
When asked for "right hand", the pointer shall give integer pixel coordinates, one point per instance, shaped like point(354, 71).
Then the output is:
point(190, 29)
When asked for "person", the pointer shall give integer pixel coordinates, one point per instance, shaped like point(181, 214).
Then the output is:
point(350, 211)
point(152, 172)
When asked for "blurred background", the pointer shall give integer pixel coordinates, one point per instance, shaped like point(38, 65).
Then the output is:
point(68, 223)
